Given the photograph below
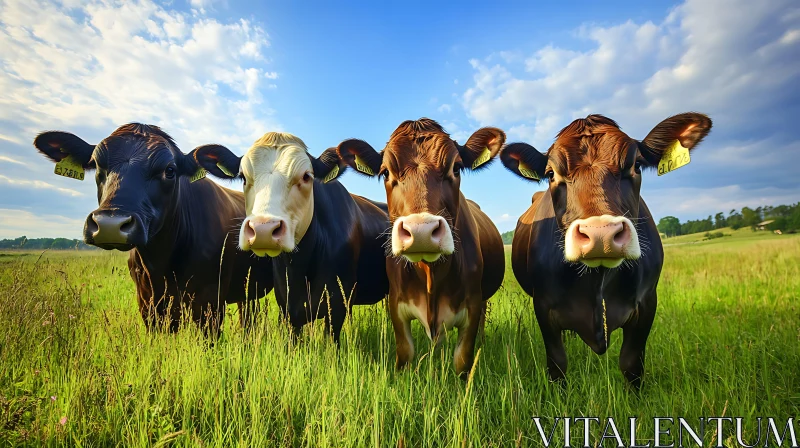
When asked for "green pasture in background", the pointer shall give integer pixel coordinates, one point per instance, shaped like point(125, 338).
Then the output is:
point(78, 369)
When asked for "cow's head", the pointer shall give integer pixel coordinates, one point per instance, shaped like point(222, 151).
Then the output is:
point(139, 170)
point(421, 168)
point(279, 176)
point(594, 175)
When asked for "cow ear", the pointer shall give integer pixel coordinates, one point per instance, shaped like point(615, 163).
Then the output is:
point(525, 161)
point(687, 130)
point(217, 160)
point(328, 166)
point(481, 148)
point(360, 156)
point(57, 146)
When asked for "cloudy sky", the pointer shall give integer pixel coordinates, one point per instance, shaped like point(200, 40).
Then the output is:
point(227, 72)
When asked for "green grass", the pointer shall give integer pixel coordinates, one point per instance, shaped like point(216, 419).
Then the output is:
point(738, 235)
point(78, 368)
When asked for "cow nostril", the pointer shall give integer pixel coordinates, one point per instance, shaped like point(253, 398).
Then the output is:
point(127, 225)
point(279, 231)
point(438, 231)
point(91, 225)
point(623, 236)
point(249, 230)
point(581, 236)
point(403, 232)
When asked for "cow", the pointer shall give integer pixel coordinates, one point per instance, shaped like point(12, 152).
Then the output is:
point(445, 257)
point(326, 245)
point(177, 225)
point(587, 249)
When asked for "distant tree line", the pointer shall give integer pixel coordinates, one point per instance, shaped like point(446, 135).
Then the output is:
point(508, 237)
point(44, 243)
point(785, 218)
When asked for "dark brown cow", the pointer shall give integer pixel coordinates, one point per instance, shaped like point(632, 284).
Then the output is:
point(175, 229)
point(587, 249)
point(447, 256)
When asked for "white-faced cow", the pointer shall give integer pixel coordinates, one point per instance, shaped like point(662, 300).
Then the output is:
point(446, 255)
point(175, 229)
point(326, 244)
point(587, 249)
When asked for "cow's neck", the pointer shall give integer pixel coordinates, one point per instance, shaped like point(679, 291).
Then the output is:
point(175, 235)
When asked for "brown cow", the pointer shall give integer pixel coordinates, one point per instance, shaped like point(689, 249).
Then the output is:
point(587, 249)
point(174, 228)
point(446, 255)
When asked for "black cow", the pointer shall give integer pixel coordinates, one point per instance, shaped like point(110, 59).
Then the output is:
point(180, 233)
point(327, 244)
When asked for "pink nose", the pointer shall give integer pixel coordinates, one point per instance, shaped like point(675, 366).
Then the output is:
point(264, 233)
point(421, 235)
point(600, 238)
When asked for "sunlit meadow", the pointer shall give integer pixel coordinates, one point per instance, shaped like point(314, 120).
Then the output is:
point(78, 369)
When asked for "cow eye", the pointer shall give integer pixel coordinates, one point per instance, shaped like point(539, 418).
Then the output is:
point(457, 167)
point(169, 173)
point(637, 167)
point(384, 174)
point(307, 177)
point(551, 175)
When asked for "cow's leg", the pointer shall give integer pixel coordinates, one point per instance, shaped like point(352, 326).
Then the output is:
point(338, 316)
point(402, 335)
point(634, 340)
point(144, 293)
point(464, 354)
point(207, 313)
point(147, 310)
point(335, 314)
point(248, 312)
point(553, 345)
point(482, 326)
point(293, 313)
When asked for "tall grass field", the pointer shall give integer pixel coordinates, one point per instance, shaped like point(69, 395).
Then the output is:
point(77, 367)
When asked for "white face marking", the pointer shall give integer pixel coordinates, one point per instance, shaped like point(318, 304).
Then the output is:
point(278, 192)
point(602, 241)
point(421, 236)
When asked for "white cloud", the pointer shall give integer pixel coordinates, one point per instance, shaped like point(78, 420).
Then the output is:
point(728, 60)
point(90, 66)
point(67, 67)
point(444, 108)
point(505, 217)
point(456, 132)
point(11, 139)
point(738, 61)
point(38, 184)
point(10, 160)
point(15, 223)
point(203, 6)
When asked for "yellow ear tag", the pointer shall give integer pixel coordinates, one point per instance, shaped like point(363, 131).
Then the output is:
point(673, 158)
point(68, 167)
point(527, 171)
point(332, 175)
point(225, 170)
point(199, 174)
point(483, 158)
point(361, 166)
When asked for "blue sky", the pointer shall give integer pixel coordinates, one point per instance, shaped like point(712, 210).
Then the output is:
point(227, 72)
